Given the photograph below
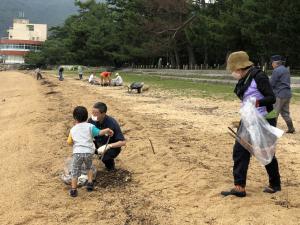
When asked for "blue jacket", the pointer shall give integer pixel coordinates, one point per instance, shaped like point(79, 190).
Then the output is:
point(281, 82)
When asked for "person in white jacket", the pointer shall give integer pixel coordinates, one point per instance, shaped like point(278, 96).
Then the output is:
point(118, 81)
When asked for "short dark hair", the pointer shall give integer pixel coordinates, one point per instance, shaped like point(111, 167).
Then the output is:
point(80, 114)
point(101, 107)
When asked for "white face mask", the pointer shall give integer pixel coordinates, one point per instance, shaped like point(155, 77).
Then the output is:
point(236, 75)
point(94, 118)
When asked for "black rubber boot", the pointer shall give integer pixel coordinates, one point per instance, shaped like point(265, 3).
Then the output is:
point(291, 128)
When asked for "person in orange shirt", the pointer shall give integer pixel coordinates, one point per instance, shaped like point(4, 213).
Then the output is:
point(105, 78)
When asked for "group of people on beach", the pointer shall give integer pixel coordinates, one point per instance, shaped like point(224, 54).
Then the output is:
point(101, 134)
point(105, 77)
point(106, 80)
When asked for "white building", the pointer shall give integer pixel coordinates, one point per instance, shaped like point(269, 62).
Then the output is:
point(22, 38)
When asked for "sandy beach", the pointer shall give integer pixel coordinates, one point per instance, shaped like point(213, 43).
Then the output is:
point(179, 184)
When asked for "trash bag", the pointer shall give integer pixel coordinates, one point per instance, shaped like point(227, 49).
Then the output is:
point(256, 134)
point(82, 179)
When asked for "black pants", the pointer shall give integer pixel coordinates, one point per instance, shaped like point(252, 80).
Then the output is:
point(108, 158)
point(241, 159)
point(39, 76)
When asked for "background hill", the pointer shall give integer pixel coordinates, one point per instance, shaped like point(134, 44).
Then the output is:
point(52, 12)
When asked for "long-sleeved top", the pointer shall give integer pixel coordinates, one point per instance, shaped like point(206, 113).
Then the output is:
point(281, 82)
point(118, 81)
point(256, 84)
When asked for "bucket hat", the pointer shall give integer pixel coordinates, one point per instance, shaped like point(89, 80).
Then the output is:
point(238, 60)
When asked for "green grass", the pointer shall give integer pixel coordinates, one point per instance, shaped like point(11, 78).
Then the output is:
point(296, 95)
point(179, 87)
point(199, 76)
point(296, 90)
point(73, 73)
point(183, 87)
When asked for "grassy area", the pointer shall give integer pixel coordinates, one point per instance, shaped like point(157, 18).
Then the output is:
point(181, 87)
point(199, 76)
point(190, 88)
point(296, 90)
point(296, 95)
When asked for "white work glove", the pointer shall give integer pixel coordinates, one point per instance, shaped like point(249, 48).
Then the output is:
point(101, 149)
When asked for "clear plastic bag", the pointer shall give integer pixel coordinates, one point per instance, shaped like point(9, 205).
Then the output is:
point(256, 134)
point(82, 179)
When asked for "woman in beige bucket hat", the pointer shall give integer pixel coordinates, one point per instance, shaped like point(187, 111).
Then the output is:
point(252, 83)
point(238, 60)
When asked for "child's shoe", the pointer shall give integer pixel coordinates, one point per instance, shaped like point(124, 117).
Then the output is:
point(90, 186)
point(73, 192)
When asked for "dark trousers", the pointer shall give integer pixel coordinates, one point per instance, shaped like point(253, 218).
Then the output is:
point(39, 76)
point(241, 159)
point(61, 76)
point(282, 106)
point(109, 156)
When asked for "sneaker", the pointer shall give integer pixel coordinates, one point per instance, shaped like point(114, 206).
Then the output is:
point(90, 187)
point(272, 190)
point(73, 192)
point(235, 192)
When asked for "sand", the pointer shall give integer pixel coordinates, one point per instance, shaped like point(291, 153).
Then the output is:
point(179, 184)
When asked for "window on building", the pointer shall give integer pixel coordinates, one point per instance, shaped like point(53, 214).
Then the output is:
point(30, 27)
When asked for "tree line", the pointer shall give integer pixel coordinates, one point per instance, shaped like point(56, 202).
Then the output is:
point(180, 32)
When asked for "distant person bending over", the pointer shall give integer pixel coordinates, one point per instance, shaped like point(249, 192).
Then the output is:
point(281, 84)
point(92, 80)
point(38, 73)
point(60, 73)
point(101, 120)
point(81, 137)
point(105, 78)
point(118, 81)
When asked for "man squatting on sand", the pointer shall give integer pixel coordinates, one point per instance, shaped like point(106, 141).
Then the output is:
point(101, 120)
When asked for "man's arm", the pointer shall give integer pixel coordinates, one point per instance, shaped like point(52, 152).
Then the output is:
point(117, 144)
